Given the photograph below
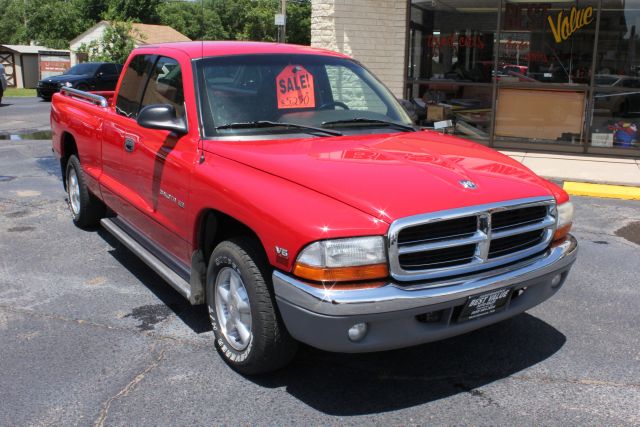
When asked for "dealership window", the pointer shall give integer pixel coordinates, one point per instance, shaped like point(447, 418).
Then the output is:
point(616, 99)
point(559, 75)
point(544, 68)
point(451, 57)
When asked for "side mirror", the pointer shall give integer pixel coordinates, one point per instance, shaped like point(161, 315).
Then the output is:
point(100, 74)
point(162, 116)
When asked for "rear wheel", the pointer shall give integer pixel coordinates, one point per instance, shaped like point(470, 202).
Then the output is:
point(248, 331)
point(86, 209)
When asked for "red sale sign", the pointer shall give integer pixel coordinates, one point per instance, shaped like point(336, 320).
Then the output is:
point(295, 88)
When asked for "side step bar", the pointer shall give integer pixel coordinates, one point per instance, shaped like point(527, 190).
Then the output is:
point(177, 282)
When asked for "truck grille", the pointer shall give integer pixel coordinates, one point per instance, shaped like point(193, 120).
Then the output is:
point(462, 241)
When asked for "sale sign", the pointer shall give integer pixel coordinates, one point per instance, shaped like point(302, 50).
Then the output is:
point(295, 88)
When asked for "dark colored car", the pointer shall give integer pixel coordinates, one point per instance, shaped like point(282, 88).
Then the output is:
point(619, 95)
point(86, 76)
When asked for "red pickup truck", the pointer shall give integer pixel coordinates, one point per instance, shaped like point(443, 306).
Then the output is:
point(286, 188)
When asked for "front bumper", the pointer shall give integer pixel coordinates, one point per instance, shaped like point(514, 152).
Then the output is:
point(46, 92)
point(395, 313)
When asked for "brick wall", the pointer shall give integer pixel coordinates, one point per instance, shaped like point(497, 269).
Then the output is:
point(372, 31)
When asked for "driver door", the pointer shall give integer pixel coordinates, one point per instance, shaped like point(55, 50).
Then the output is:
point(157, 166)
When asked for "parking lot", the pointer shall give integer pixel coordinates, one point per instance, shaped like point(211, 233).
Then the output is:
point(90, 336)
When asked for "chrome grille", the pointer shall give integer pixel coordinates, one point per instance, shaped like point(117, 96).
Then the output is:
point(461, 241)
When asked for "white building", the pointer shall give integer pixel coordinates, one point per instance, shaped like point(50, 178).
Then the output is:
point(141, 33)
point(372, 31)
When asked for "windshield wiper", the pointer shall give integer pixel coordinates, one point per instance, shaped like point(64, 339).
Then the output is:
point(357, 120)
point(269, 123)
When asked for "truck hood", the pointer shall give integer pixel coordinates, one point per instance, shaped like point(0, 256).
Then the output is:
point(392, 175)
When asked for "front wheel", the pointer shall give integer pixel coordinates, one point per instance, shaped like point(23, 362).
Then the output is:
point(248, 331)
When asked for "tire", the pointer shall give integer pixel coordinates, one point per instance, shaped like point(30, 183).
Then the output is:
point(86, 209)
point(250, 307)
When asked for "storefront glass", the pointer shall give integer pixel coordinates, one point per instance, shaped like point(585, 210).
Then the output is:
point(561, 75)
point(616, 105)
point(451, 62)
point(545, 59)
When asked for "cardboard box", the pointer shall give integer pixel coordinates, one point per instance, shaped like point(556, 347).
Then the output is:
point(436, 113)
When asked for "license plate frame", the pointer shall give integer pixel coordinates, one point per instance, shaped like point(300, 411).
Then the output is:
point(485, 304)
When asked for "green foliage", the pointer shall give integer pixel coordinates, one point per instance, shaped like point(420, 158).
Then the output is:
point(232, 13)
point(13, 22)
point(299, 22)
point(192, 20)
point(144, 11)
point(259, 22)
point(114, 46)
point(54, 23)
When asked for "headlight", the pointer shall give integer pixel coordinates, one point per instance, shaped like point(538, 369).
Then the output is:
point(343, 260)
point(565, 220)
point(68, 84)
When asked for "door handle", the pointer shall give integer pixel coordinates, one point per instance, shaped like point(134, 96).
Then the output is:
point(129, 144)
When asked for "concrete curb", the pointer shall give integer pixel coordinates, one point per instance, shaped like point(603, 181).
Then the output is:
point(602, 190)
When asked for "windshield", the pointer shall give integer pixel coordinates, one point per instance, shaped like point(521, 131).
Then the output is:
point(306, 90)
point(82, 69)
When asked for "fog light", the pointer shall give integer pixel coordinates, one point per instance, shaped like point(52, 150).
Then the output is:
point(357, 332)
point(556, 280)
point(431, 317)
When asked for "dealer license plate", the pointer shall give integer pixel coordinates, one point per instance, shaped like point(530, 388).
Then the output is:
point(484, 304)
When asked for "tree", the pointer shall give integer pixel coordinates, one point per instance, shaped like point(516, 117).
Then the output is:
point(191, 20)
point(259, 22)
point(54, 23)
point(13, 19)
point(114, 46)
point(299, 22)
point(51, 23)
point(232, 14)
point(144, 11)
point(93, 10)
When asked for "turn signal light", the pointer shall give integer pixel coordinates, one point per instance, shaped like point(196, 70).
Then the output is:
point(341, 274)
point(562, 232)
point(565, 219)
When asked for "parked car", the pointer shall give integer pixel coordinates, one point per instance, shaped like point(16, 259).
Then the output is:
point(621, 98)
point(285, 188)
point(3, 82)
point(88, 76)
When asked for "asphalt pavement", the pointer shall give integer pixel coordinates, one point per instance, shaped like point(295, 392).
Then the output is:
point(91, 336)
point(23, 115)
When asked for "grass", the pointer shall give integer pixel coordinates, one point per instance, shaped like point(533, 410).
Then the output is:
point(11, 91)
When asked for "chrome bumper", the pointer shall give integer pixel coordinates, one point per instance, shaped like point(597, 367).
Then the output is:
point(393, 297)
